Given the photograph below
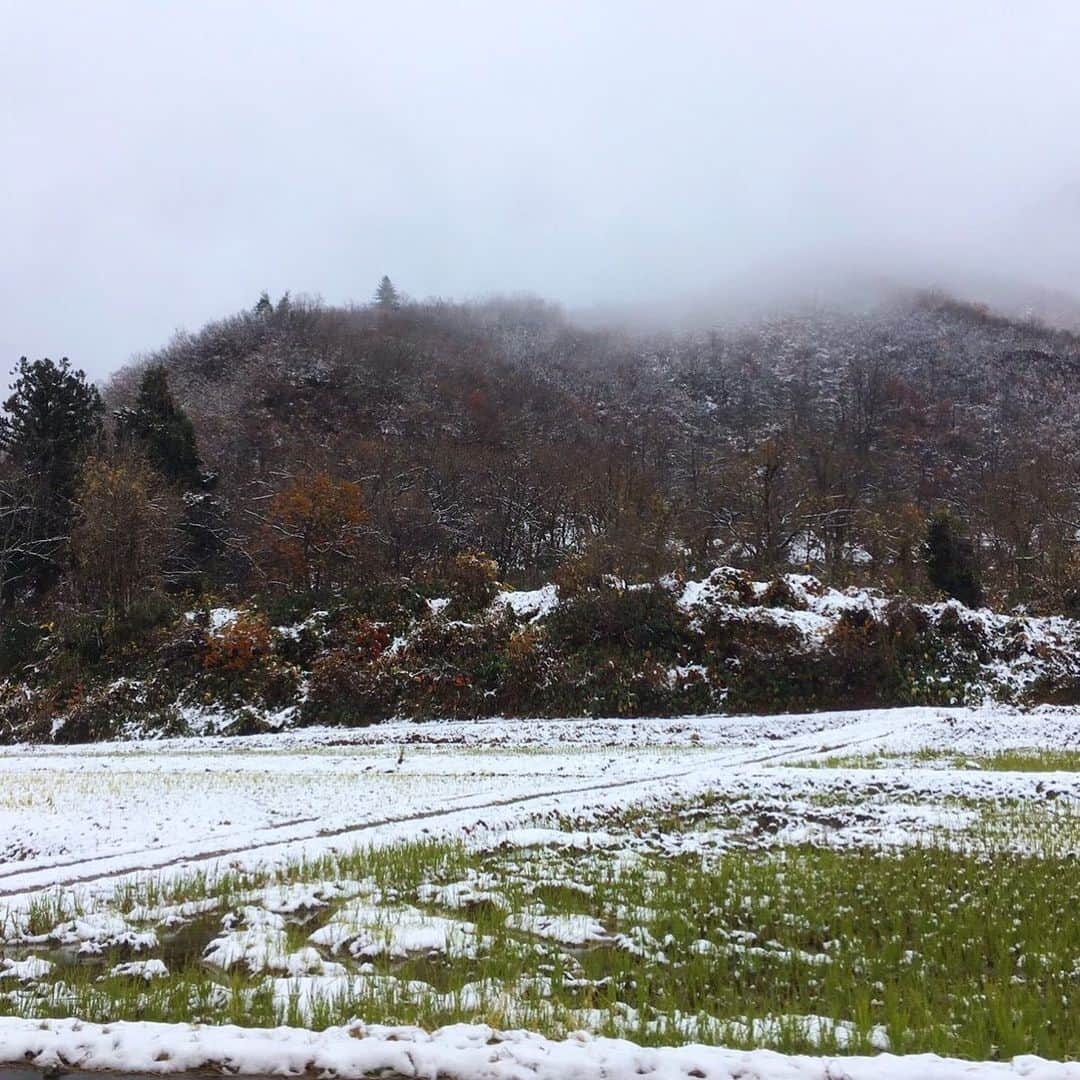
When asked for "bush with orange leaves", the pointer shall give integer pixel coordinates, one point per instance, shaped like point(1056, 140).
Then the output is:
point(315, 532)
point(238, 645)
point(241, 666)
point(352, 684)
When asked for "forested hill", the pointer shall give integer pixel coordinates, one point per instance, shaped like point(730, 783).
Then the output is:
point(823, 439)
point(308, 514)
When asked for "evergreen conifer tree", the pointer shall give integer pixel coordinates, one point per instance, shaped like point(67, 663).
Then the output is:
point(950, 560)
point(50, 420)
point(386, 295)
point(164, 429)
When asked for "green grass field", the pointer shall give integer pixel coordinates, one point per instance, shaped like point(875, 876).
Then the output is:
point(964, 943)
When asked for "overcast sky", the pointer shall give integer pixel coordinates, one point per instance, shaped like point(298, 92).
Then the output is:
point(163, 162)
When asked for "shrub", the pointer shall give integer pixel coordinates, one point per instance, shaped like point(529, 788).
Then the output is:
point(246, 720)
point(962, 631)
point(347, 687)
point(351, 684)
point(784, 684)
point(107, 711)
point(780, 594)
point(613, 618)
point(901, 658)
point(26, 713)
point(238, 645)
point(735, 585)
point(529, 669)
point(726, 635)
point(859, 660)
point(239, 665)
point(693, 690)
point(578, 573)
point(85, 646)
point(20, 640)
point(471, 579)
point(1057, 688)
point(456, 669)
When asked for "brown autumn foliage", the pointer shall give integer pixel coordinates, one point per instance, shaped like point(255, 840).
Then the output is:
point(238, 645)
point(820, 441)
point(314, 532)
point(126, 521)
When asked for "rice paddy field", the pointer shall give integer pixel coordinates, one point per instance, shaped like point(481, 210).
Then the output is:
point(873, 887)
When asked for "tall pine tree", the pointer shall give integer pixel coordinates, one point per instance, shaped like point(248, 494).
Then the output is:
point(159, 425)
point(386, 295)
point(50, 420)
point(164, 429)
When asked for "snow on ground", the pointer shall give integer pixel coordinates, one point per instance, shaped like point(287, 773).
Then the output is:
point(157, 803)
point(89, 818)
point(371, 929)
point(75, 814)
point(459, 1052)
point(532, 603)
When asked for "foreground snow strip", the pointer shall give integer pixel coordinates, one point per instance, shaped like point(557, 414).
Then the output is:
point(460, 1052)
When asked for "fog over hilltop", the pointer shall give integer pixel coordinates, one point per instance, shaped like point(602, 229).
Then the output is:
point(682, 161)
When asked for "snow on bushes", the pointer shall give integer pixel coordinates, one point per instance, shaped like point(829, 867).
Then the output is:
point(721, 643)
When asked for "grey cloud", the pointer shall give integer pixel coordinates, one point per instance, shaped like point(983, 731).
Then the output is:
point(165, 162)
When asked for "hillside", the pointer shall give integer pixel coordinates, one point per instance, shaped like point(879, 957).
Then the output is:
point(361, 486)
point(824, 439)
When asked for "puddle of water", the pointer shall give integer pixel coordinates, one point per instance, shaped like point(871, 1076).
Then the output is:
point(178, 948)
point(442, 974)
point(185, 945)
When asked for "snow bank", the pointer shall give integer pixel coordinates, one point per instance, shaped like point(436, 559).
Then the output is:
point(465, 1051)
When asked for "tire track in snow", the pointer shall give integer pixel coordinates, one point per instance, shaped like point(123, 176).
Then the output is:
point(16, 870)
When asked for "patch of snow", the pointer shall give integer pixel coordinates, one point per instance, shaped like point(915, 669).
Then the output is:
point(221, 617)
point(147, 970)
point(532, 604)
point(565, 929)
point(369, 930)
point(33, 967)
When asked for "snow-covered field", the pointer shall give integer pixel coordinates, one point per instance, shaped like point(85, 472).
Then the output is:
point(69, 815)
point(559, 842)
